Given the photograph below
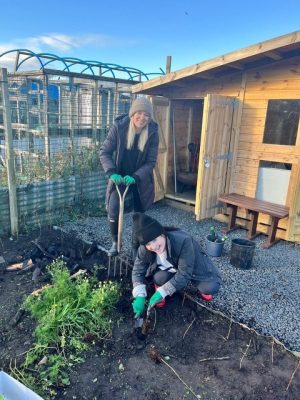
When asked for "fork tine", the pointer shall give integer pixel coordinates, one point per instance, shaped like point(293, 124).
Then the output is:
point(121, 263)
point(108, 270)
point(126, 266)
point(115, 266)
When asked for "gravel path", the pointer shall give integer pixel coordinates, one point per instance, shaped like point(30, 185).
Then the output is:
point(266, 297)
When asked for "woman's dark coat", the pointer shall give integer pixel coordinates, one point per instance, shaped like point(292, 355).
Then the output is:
point(111, 153)
point(185, 254)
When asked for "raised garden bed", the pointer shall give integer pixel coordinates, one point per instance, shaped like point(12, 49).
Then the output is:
point(213, 356)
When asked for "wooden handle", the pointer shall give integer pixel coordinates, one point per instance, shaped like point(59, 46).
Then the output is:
point(121, 214)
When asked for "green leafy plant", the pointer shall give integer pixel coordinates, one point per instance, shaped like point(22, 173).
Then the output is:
point(216, 237)
point(71, 315)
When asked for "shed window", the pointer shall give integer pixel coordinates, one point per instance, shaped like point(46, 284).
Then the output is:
point(282, 122)
point(273, 181)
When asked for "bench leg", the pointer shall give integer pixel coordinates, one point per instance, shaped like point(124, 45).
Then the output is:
point(232, 211)
point(253, 225)
point(271, 239)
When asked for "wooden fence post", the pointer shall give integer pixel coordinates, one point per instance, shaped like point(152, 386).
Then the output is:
point(74, 114)
point(9, 154)
point(168, 64)
point(45, 122)
point(95, 110)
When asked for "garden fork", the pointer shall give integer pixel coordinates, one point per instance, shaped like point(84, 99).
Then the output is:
point(120, 231)
point(121, 216)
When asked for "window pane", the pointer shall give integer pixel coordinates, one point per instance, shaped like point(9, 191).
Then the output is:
point(282, 122)
point(273, 181)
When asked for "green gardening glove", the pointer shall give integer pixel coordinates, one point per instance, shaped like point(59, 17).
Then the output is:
point(116, 178)
point(138, 306)
point(155, 298)
point(128, 180)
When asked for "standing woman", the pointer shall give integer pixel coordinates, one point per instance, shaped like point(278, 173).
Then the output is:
point(128, 156)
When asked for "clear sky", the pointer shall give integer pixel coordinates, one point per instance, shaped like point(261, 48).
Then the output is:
point(142, 34)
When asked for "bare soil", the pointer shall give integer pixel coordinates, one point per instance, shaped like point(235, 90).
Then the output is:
point(216, 359)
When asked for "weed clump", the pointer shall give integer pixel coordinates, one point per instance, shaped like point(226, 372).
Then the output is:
point(70, 314)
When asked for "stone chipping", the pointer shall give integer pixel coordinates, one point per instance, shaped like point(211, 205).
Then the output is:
point(265, 297)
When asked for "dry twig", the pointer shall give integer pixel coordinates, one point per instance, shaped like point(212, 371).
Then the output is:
point(272, 352)
point(230, 325)
point(245, 353)
point(292, 377)
point(156, 357)
point(37, 292)
point(229, 330)
point(45, 253)
point(214, 358)
point(188, 328)
point(154, 326)
point(15, 267)
point(25, 269)
point(78, 273)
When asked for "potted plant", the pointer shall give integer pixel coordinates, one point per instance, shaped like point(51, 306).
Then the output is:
point(214, 243)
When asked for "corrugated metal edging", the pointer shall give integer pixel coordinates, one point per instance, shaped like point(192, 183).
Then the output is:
point(4, 212)
point(91, 186)
point(39, 202)
point(42, 202)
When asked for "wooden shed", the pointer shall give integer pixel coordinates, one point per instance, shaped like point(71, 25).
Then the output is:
point(231, 125)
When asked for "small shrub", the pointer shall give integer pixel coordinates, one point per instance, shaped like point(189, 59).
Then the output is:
point(67, 312)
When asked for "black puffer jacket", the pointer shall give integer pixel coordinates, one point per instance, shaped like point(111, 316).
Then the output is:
point(112, 150)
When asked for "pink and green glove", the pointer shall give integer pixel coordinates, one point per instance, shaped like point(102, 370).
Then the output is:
point(116, 178)
point(128, 180)
point(138, 306)
point(155, 298)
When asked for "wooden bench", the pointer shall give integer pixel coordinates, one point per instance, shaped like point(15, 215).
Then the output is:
point(253, 208)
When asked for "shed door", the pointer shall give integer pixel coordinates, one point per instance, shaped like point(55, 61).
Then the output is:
point(161, 109)
point(215, 157)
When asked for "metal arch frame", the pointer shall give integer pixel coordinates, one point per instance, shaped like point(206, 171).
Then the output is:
point(23, 51)
point(73, 61)
point(129, 70)
point(89, 64)
point(99, 64)
point(135, 70)
point(56, 58)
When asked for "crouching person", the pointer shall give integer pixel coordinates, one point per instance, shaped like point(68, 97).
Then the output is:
point(176, 260)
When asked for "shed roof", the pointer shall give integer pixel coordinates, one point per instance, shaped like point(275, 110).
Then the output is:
point(259, 54)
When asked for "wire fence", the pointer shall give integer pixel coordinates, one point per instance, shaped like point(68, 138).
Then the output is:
point(51, 128)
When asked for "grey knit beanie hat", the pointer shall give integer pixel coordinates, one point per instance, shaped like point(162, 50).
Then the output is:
point(141, 104)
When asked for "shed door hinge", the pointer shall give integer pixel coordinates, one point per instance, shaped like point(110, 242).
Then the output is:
point(227, 156)
point(218, 205)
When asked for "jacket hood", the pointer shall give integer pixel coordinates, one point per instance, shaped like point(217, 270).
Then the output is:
point(122, 120)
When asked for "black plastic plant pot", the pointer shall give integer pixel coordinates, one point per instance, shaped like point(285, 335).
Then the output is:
point(242, 252)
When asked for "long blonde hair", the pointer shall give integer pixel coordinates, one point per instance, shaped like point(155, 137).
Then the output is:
point(143, 136)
